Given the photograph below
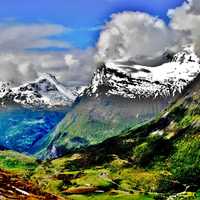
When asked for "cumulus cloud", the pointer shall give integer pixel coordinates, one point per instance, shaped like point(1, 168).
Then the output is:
point(71, 59)
point(18, 65)
point(135, 35)
point(194, 6)
point(21, 67)
point(128, 36)
point(10, 73)
point(187, 19)
point(73, 68)
point(81, 65)
point(140, 37)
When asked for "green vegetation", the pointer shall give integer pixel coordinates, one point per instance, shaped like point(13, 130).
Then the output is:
point(17, 163)
point(149, 162)
point(91, 121)
point(159, 160)
point(119, 196)
point(185, 162)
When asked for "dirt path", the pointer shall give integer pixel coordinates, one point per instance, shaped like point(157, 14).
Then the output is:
point(12, 187)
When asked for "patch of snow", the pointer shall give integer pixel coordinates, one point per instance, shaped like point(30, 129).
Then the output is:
point(157, 133)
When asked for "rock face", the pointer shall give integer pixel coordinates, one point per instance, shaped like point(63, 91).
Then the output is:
point(46, 91)
point(121, 95)
point(173, 138)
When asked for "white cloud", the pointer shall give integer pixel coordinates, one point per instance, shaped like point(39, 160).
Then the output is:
point(135, 35)
point(81, 65)
point(138, 36)
point(71, 60)
point(187, 18)
point(22, 67)
point(18, 65)
point(9, 73)
point(129, 35)
point(18, 37)
point(75, 68)
point(195, 6)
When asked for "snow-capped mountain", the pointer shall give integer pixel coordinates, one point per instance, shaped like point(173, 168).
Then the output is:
point(46, 91)
point(136, 81)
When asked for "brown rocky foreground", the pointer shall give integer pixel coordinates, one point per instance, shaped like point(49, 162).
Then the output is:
point(12, 187)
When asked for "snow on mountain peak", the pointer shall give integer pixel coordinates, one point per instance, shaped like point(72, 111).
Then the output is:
point(130, 80)
point(45, 91)
point(187, 55)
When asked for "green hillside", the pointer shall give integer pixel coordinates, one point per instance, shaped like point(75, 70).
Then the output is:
point(158, 160)
point(94, 119)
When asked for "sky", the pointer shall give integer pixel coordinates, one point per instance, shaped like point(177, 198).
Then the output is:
point(83, 17)
point(68, 37)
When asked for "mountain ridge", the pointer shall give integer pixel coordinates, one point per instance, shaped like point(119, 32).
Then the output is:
point(45, 91)
point(157, 160)
point(113, 101)
point(137, 81)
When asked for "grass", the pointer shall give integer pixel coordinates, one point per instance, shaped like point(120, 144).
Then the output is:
point(185, 162)
point(17, 163)
point(93, 132)
point(111, 197)
point(159, 157)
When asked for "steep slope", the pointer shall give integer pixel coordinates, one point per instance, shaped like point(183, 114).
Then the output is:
point(121, 95)
point(30, 111)
point(159, 159)
point(177, 123)
point(46, 91)
point(93, 120)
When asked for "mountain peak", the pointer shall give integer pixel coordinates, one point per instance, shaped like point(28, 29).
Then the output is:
point(135, 81)
point(186, 55)
point(45, 91)
point(46, 76)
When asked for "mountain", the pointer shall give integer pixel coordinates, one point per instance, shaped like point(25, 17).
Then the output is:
point(121, 95)
point(30, 111)
point(46, 91)
point(140, 82)
point(159, 158)
point(155, 161)
point(22, 128)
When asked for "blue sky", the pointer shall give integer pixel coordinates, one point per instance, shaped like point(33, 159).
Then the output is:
point(83, 17)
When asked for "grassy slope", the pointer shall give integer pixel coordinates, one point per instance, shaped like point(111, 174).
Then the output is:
point(92, 120)
point(158, 159)
point(17, 163)
point(15, 172)
point(153, 161)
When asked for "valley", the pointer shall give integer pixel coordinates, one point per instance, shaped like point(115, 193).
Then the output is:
point(113, 142)
point(24, 129)
point(100, 100)
point(158, 160)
